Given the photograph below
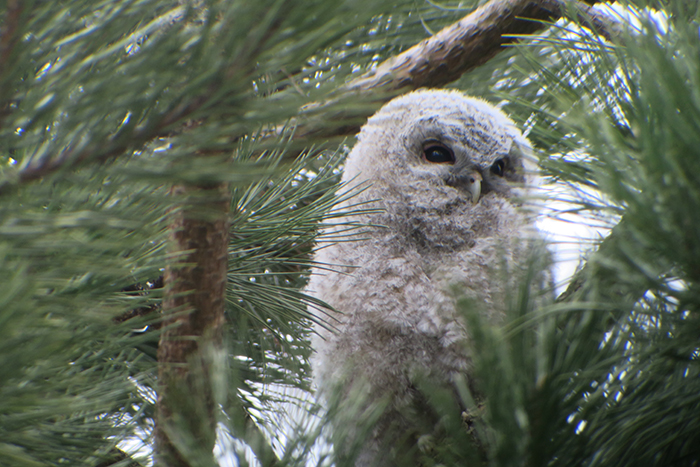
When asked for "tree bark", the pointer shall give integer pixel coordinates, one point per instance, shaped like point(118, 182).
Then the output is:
point(193, 309)
point(473, 41)
point(444, 57)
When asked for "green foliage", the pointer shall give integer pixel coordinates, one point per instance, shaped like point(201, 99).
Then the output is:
point(109, 104)
point(611, 369)
point(106, 104)
point(70, 374)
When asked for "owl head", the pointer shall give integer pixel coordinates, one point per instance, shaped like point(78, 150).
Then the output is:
point(445, 144)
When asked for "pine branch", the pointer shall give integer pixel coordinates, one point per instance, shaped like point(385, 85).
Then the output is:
point(434, 62)
point(100, 152)
point(473, 41)
point(452, 52)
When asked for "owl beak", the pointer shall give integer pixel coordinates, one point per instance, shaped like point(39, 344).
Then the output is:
point(474, 185)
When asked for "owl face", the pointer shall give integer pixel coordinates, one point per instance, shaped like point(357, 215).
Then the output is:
point(445, 139)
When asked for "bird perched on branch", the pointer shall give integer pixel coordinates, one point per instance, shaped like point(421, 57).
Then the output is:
point(444, 175)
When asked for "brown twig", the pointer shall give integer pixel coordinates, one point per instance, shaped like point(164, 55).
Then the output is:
point(96, 151)
point(139, 289)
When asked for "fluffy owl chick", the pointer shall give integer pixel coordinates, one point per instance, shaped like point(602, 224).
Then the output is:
point(444, 174)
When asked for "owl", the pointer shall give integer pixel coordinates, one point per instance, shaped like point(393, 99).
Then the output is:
point(442, 180)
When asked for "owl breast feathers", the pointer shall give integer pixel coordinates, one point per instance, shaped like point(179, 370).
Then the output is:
point(444, 176)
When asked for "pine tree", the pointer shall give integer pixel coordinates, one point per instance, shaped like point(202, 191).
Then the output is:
point(160, 157)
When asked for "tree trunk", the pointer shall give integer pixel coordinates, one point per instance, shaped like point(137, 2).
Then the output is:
point(193, 309)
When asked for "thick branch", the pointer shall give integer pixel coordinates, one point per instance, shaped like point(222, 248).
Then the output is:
point(458, 48)
point(100, 151)
point(453, 51)
point(473, 41)
point(434, 62)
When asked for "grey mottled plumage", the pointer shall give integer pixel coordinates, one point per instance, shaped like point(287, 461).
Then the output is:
point(444, 172)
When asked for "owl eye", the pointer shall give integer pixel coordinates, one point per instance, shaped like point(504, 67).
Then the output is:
point(438, 154)
point(498, 167)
